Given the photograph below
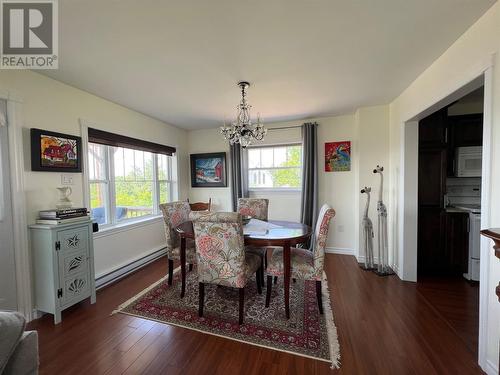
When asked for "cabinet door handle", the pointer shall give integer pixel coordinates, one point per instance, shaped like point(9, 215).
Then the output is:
point(446, 135)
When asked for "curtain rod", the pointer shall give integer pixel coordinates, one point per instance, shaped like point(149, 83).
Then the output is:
point(288, 127)
point(285, 127)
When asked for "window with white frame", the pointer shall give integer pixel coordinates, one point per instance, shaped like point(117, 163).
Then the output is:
point(126, 184)
point(275, 167)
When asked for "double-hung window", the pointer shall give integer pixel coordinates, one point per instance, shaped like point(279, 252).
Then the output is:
point(127, 183)
point(275, 167)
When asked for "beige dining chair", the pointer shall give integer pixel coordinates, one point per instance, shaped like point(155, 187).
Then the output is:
point(305, 264)
point(257, 208)
point(174, 214)
point(221, 255)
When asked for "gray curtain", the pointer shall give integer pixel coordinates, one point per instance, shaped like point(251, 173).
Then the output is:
point(309, 202)
point(239, 178)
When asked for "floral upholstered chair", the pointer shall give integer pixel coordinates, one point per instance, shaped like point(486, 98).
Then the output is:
point(176, 213)
point(306, 264)
point(222, 259)
point(255, 207)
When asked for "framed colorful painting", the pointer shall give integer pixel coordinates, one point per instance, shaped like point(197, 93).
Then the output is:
point(208, 170)
point(338, 156)
point(55, 152)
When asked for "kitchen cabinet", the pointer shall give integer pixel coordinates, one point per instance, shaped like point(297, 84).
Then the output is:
point(442, 235)
point(443, 242)
point(432, 130)
point(456, 243)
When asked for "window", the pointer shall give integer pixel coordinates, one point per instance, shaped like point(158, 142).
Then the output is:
point(275, 167)
point(126, 184)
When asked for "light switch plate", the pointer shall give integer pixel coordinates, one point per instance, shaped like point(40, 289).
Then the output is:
point(66, 179)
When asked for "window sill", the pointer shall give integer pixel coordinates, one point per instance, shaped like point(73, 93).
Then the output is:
point(110, 230)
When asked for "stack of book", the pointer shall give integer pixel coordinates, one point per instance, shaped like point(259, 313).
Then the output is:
point(63, 216)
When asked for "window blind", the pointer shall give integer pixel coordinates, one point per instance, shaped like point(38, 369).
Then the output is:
point(111, 139)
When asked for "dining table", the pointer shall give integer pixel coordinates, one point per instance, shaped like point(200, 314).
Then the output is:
point(285, 234)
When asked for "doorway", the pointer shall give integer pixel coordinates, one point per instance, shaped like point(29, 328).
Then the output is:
point(449, 212)
point(8, 293)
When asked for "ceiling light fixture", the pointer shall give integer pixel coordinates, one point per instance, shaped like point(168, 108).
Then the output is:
point(242, 130)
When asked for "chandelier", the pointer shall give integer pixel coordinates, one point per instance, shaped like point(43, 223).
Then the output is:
point(242, 130)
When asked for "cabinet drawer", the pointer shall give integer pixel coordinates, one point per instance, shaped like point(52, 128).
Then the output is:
point(75, 288)
point(74, 262)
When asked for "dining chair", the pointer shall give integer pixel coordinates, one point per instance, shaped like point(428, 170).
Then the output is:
point(221, 255)
point(257, 208)
point(174, 214)
point(201, 206)
point(305, 264)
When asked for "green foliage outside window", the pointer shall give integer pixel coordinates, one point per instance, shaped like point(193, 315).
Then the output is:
point(289, 177)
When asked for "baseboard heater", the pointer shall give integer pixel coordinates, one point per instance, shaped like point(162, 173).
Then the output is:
point(126, 270)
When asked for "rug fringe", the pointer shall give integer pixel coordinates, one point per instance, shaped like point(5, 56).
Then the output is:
point(330, 325)
point(140, 294)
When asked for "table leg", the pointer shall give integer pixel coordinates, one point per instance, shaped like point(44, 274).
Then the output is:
point(287, 272)
point(183, 266)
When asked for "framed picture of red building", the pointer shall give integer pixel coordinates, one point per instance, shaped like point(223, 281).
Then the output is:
point(55, 152)
point(208, 170)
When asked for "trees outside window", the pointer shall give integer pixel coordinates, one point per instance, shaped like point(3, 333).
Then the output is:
point(126, 183)
point(278, 167)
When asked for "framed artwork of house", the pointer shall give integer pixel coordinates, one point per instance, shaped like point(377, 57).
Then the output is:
point(55, 152)
point(338, 156)
point(209, 170)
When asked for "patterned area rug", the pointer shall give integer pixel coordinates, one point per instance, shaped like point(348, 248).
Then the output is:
point(306, 333)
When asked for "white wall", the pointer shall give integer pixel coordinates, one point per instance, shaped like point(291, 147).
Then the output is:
point(471, 54)
point(339, 189)
point(51, 105)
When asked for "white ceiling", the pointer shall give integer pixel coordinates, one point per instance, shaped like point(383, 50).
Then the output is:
point(179, 61)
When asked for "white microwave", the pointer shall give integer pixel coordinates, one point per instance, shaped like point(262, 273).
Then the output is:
point(469, 161)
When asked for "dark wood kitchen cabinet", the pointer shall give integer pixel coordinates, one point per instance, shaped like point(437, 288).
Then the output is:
point(456, 243)
point(431, 177)
point(443, 242)
point(432, 130)
point(442, 236)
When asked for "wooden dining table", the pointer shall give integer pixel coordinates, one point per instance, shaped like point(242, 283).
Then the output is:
point(286, 234)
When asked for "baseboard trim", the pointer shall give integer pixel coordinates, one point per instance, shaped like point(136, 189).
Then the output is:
point(339, 250)
point(121, 272)
point(491, 369)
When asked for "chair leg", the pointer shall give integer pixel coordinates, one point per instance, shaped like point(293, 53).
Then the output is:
point(258, 278)
point(319, 297)
point(190, 267)
point(201, 296)
point(262, 267)
point(275, 279)
point(242, 305)
point(269, 287)
point(170, 271)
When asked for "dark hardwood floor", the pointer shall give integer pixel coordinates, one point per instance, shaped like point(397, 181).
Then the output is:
point(385, 326)
point(460, 308)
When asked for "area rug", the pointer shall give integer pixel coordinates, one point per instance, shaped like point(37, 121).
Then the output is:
point(307, 333)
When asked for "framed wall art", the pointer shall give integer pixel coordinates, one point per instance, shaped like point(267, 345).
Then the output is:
point(338, 156)
point(55, 152)
point(209, 170)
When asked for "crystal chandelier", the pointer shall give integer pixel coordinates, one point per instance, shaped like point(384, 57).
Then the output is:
point(242, 130)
